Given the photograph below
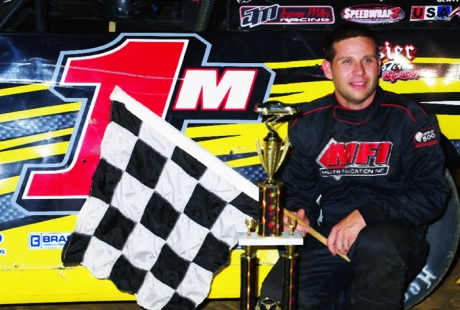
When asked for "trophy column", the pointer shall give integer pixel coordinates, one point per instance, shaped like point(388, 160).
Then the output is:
point(290, 278)
point(248, 264)
point(290, 273)
point(248, 292)
point(270, 212)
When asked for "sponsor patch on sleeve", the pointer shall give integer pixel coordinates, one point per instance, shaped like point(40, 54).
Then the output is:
point(425, 137)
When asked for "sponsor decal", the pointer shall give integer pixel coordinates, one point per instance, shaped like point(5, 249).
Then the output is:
point(425, 137)
point(397, 62)
point(2, 251)
point(433, 12)
point(185, 81)
point(47, 240)
point(340, 159)
point(252, 16)
point(372, 14)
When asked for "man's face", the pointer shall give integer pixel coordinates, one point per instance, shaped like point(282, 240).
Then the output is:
point(354, 72)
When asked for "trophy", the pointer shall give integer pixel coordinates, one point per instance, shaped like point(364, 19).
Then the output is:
point(271, 155)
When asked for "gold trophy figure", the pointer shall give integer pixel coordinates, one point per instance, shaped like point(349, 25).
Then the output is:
point(271, 156)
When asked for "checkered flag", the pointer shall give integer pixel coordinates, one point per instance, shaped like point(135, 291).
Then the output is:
point(162, 214)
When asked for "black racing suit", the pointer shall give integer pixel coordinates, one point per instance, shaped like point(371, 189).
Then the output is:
point(385, 161)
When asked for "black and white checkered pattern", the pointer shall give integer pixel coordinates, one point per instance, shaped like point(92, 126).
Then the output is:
point(162, 214)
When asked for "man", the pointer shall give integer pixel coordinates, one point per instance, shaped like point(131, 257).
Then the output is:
point(374, 162)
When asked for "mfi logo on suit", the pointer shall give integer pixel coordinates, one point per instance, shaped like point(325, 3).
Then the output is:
point(339, 159)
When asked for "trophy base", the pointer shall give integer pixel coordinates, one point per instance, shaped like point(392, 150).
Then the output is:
point(253, 239)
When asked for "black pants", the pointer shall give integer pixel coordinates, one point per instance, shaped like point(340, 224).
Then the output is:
point(384, 259)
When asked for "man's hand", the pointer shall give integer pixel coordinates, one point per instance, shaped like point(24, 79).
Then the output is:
point(300, 216)
point(344, 234)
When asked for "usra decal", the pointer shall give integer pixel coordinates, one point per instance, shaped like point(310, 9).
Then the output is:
point(252, 16)
point(433, 12)
point(339, 159)
point(425, 137)
point(372, 14)
point(397, 62)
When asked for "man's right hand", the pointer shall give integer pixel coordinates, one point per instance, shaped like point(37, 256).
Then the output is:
point(299, 227)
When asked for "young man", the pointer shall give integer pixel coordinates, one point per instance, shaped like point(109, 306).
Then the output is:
point(374, 161)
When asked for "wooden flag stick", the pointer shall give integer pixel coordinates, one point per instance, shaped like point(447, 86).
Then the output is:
point(313, 232)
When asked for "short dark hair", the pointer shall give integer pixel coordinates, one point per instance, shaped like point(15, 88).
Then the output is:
point(347, 31)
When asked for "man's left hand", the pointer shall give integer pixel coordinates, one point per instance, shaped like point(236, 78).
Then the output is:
point(344, 234)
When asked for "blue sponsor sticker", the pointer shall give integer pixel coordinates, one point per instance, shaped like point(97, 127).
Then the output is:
point(47, 240)
point(2, 251)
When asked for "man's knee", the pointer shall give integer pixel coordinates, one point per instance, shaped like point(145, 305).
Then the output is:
point(384, 239)
point(389, 247)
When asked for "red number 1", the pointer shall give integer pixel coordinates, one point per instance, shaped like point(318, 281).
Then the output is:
point(145, 69)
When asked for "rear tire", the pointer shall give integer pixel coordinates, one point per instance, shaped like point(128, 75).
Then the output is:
point(443, 237)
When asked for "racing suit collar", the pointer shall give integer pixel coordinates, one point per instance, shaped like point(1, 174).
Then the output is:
point(346, 115)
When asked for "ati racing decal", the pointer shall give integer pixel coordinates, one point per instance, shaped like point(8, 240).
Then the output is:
point(433, 12)
point(425, 137)
point(169, 73)
point(397, 62)
point(251, 16)
point(372, 14)
point(340, 159)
